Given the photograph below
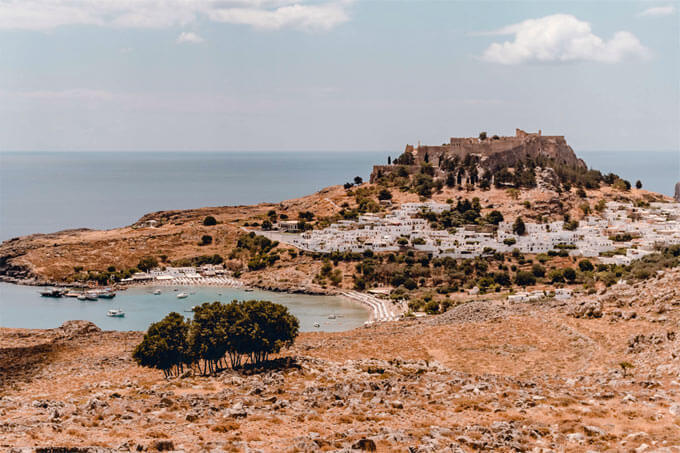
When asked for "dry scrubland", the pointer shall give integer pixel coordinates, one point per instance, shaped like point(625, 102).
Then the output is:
point(483, 376)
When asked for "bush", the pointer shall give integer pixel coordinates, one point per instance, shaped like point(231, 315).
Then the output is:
point(538, 270)
point(524, 278)
point(585, 266)
point(569, 274)
point(209, 221)
point(147, 263)
point(206, 239)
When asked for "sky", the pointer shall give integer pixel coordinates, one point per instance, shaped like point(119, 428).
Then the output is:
point(182, 75)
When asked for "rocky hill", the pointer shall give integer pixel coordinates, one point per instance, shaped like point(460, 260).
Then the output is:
point(491, 153)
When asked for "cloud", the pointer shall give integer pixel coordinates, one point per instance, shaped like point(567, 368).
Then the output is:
point(262, 14)
point(658, 11)
point(561, 38)
point(189, 37)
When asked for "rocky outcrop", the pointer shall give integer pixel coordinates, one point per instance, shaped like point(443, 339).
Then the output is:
point(677, 192)
point(495, 153)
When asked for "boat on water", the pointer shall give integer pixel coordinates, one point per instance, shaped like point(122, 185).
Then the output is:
point(72, 294)
point(82, 297)
point(90, 295)
point(332, 316)
point(317, 325)
point(115, 313)
point(107, 295)
point(249, 290)
point(52, 292)
point(157, 292)
point(182, 295)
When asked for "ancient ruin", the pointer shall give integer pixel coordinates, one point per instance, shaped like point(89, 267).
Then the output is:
point(494, 152)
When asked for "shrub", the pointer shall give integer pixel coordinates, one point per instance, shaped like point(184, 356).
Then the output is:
point(524, 278)
point(147, 263)
point(585, 266)
point(538, 270)
point(569, 274)
point(206, 239)
point(209, 221)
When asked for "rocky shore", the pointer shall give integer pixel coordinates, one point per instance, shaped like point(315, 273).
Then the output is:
point(485, 376)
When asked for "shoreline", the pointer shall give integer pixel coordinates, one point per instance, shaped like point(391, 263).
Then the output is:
point(378, 310)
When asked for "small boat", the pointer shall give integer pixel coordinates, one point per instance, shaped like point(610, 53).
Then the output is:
point(82, 297)
point(91, 295)
point(249, 290)
point(317, 325)
point(72, 294)
point(52, 293)
point(182, 295)
point(107, 295)
point(115, 313)
point(332, 316)
point(157, 292)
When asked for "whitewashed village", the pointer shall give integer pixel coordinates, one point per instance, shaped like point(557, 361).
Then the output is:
point(648, 228)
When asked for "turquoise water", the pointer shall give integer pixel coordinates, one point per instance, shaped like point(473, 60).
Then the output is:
point(22, 306)
point(47, 192)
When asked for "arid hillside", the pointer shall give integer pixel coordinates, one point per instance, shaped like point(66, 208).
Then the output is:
point(598, 373)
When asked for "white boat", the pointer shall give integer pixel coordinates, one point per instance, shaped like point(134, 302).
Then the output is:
point(91, 295)
point(82, 297)
point(182, 295)
point(332, 316)
point(316, 324)
point(106, 294)
point(157, 292)
point(115, 313)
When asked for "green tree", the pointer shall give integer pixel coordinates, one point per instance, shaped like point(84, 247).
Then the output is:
point(538, 270)
point(209, 221)
point(518, 227)
point(494, 217)
point(524, 278)
point(638, 184)
point(482, 135)
point(569, 274)
point(267, 225)
point(384, 194)
point(164, 345)
point(585, 266)
point(358, 180)
point(206, 239)
point(268, 328)
point(147, 263)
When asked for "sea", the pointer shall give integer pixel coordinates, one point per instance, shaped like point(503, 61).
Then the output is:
point(43, 192)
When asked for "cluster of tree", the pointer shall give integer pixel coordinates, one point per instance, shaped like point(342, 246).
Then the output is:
point(465, 212)
point(197, 261)
point(218, 335)
point(259, 251)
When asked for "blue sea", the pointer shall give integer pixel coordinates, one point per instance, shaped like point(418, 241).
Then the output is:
point(46, 192)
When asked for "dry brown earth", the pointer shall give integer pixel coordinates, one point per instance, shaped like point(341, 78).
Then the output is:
point(485, 376)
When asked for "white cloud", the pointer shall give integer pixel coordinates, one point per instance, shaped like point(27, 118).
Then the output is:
point(561, 38)
point(264, 14)
point(658, 11)
point(189, 37)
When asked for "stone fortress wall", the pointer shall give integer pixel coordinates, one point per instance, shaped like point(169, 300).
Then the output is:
point(495, 153)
